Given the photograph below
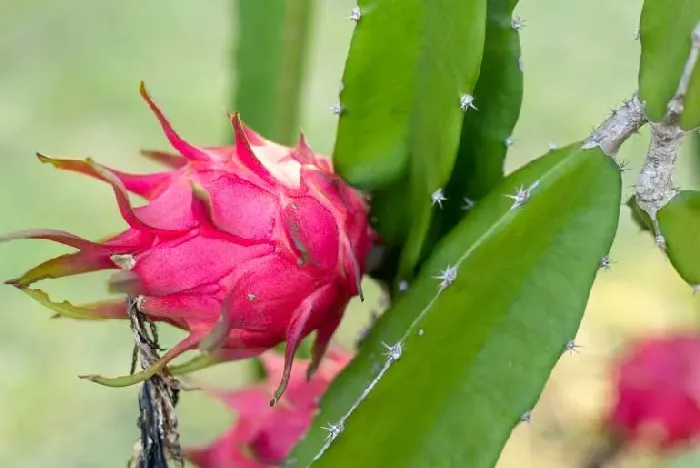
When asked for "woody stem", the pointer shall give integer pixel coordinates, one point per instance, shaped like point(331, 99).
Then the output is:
point(160, 440)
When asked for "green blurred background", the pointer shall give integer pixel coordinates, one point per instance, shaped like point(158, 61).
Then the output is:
point(69, 73)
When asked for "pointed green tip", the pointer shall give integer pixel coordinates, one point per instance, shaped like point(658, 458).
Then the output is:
point(123, 381)
point(43, 158)
point(91, 377)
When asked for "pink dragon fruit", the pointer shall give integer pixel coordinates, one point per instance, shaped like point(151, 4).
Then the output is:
point(263, 436)
point(244, 247)
point(658, 393)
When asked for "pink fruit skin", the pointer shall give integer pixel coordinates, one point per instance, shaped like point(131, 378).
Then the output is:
point(263, 436)
point(658, 393)
point(244, 247)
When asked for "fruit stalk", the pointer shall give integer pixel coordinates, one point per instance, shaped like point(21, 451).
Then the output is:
point(160, 439)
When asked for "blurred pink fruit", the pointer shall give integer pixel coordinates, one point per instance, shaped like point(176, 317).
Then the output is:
point(263, 436)
point(658, 393)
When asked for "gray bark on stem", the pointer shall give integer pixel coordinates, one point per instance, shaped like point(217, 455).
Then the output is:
point(655, 186)
point(624, 122)
point(159, 444)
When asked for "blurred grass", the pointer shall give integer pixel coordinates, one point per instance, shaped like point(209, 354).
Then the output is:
point(68, 86)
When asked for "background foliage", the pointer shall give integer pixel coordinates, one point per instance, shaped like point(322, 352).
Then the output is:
point(68, 86)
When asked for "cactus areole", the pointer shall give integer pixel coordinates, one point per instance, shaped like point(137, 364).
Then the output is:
point(243, 247)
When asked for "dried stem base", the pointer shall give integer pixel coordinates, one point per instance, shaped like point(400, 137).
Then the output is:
point(159, 444)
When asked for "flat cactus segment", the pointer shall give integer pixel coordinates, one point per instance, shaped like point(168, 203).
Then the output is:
point(449, 370)
point(665, 34)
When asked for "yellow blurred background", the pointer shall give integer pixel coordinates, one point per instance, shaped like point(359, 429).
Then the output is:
point(69, 73)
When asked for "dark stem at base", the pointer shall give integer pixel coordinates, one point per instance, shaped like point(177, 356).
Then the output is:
point(604, 453)
point(159, 444)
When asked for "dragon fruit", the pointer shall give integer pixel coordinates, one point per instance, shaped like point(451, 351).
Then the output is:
point(263, 436)
point(658, 393)
point(243, 247)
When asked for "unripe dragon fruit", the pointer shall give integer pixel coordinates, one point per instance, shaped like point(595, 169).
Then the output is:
point(263, 436)
point(244, 247)
point(658, 393)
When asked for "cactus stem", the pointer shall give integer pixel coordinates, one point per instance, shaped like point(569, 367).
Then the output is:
point(334, 430)
point(675, 106)
point(624, 122)
point(655, 186)
point(393, 352)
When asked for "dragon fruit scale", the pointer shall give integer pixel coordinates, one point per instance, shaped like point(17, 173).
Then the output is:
point(243, 247)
